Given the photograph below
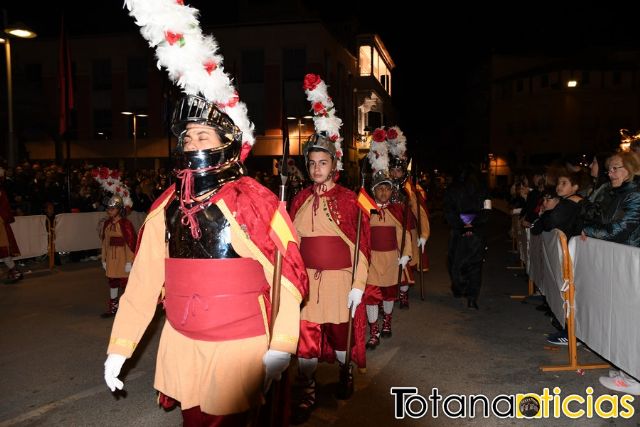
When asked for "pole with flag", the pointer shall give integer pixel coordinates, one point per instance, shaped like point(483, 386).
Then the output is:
point(66, 101)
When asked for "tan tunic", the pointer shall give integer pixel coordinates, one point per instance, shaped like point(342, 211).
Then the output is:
point(116, 257)
point(424, 228)
point(221, 377)
point(383, 267)
point(328, 290)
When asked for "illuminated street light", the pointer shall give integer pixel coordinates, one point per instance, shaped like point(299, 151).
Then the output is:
point(20, 31)
point(572, 83)
point(135, 133)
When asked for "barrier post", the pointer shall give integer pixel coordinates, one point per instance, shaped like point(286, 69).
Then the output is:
point(569, 297)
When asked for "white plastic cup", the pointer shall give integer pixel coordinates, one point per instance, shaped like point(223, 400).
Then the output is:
point(487, 204)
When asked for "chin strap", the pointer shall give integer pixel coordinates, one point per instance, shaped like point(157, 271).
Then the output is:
point(186, 193)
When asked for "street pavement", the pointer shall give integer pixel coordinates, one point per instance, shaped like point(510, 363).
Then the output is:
point(53, 344)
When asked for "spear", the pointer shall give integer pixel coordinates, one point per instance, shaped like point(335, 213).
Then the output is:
point(403, 241)
point(419, 205)
point(345, 387)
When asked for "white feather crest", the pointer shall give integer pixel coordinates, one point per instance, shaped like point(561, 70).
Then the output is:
point(112, 183)
point(378, 156)
point(324, 118)
point(397, 145)
point(190, 58)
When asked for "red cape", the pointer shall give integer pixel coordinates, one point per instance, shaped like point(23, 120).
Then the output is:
point(128, 232)
point(344, 202)
point(5, 212)
point(254, 206)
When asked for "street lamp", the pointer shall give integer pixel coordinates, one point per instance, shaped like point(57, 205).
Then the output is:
point(299, 120)
point(135, 133)
point(21, 31)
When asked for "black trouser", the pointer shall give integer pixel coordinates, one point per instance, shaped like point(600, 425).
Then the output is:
point(466, 255)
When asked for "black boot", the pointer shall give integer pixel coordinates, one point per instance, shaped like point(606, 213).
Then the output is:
point(345, 382)
point(307, 404)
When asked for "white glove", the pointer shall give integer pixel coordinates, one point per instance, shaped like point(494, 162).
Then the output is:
point(354, 300)
point(421, 243)
point(127, 267)
point(403, 260)
point(112, 367)
point(275, 363)
point(104, 265)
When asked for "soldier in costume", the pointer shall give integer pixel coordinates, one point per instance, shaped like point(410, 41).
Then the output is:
point(386, 244)
point(205, 245)
point(325, 217)
point(412, 193)
point(118, 246)
point(8, 246)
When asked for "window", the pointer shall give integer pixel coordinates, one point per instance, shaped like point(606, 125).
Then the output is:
point(365, 60)
point(101, 74)
point(617, 77)
point(137, 73)
point(586, 78)
point(253, 66)
point(544, 80)
point(102, 123)
point(294, 64)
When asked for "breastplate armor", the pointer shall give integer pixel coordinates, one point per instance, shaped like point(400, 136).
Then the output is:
point(215, 242)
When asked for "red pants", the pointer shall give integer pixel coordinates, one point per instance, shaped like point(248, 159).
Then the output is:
point(194, 417)
point(118, 282)
point(315, 336)
point(375, 294)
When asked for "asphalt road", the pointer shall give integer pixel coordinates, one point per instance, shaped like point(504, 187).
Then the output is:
point(53, 343)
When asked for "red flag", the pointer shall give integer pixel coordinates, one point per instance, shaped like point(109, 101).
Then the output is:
point(65, 84)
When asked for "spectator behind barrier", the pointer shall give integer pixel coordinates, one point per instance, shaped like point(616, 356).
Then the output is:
point(615, 214)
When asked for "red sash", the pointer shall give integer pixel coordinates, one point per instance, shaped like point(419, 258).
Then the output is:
point(116, 241)
point(214, 299)
point(325, 253)
point(383, 239)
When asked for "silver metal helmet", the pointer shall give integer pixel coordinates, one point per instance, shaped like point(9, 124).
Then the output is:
point(319, 141)
point(115, 201)
point(399, 164)
point(380, 177)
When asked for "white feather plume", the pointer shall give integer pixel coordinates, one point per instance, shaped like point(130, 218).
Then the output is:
point(325, 120)
point(397, 145)
point(190, 58)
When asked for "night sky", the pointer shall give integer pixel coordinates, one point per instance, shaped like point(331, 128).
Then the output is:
point(451, 41)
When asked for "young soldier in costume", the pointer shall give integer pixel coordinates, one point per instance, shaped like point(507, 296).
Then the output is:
point(325, 217)
point(413, 193)
point(386, 243)
point(8, 246)
point(205, 244)
point(118, 246)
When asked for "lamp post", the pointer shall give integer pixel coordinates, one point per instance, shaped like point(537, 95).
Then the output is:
point(20, 31)
point(135, 133)
point(299, 121)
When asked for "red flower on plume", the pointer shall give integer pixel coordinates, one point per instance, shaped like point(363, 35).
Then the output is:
point(126, 193)
point(94, 173)
point(109, 183)
point(115, 174)
point(333, 138)
point(173, 38)
point(210, 66)
point(103, 173)
point(180, 2)
point(311, 81)
point(233, 101)
point(319, 109)
point(379, 135)
point(339, 154)
point(392, 134)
